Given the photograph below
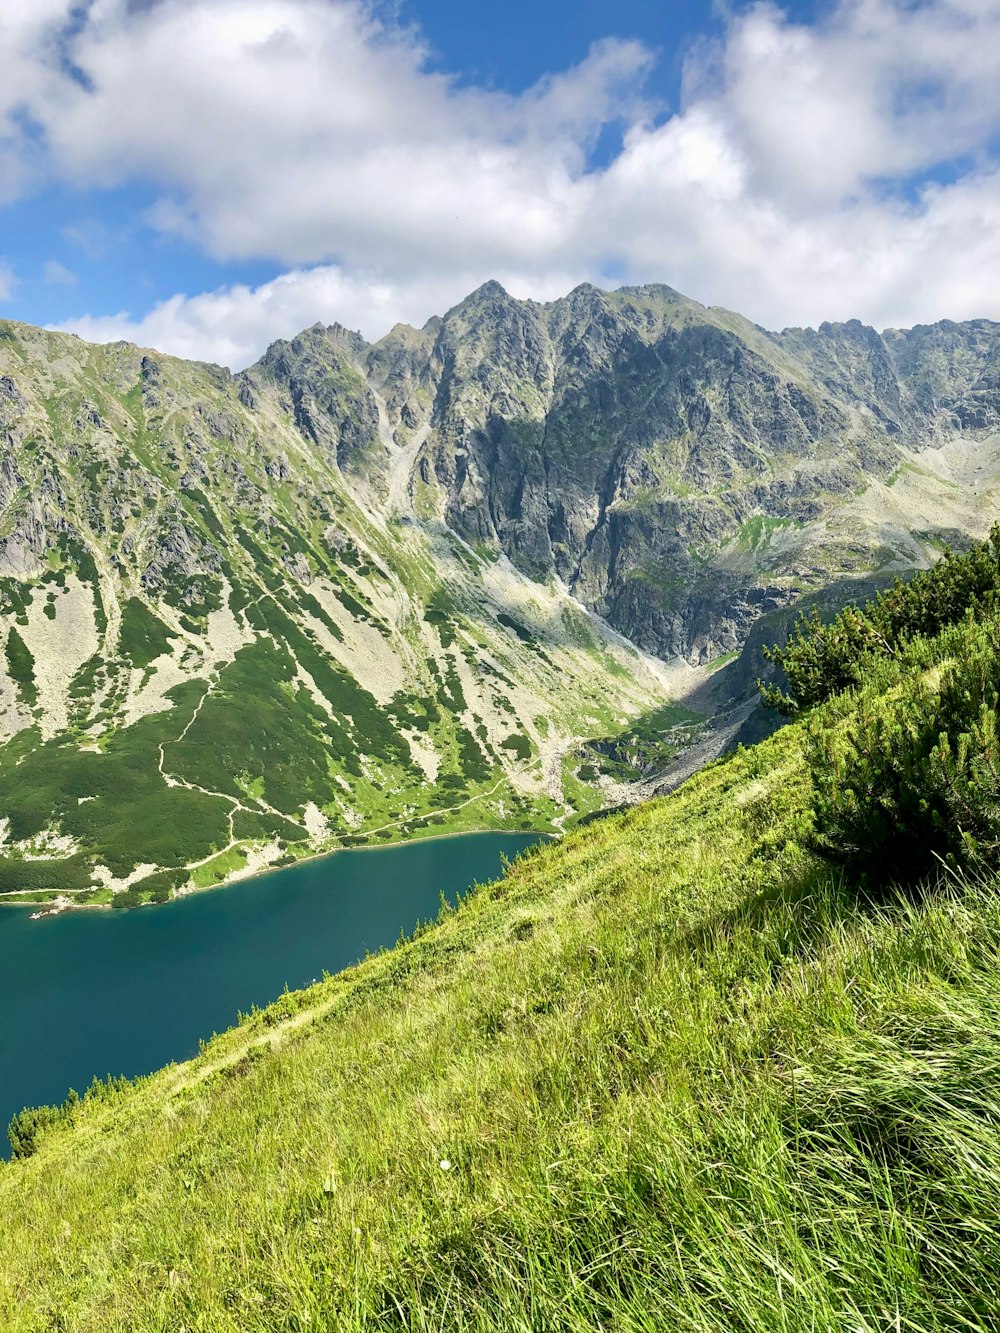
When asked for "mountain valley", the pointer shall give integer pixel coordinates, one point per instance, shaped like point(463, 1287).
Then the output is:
point(498, 572)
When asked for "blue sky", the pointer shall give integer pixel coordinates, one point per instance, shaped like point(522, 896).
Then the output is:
point(110, 260)
point(108, 257)
point(205, 175)
point(512, 45)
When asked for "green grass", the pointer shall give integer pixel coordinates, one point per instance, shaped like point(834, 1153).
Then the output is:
point(682, 1076)
point(723, 659)
point(21, 666)
point(143, 636)
point(216, 870)
point(757, 532)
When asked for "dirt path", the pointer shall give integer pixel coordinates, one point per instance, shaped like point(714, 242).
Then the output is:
point(171, 780)
point(448, 810)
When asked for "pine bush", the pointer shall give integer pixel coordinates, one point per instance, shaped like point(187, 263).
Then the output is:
point(822, 659)
point(909, 781)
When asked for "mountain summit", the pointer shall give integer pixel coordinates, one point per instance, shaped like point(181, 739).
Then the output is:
point(622, 442)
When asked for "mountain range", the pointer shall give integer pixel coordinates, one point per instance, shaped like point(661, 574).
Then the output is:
point(494, 572)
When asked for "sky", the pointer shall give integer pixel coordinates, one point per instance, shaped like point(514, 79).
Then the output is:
point(204, 176)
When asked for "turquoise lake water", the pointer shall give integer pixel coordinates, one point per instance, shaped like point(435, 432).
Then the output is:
point(124, 992)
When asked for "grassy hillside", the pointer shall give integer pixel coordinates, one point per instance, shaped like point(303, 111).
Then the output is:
point(672, 1074)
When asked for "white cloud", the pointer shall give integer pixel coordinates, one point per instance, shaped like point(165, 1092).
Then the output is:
point(842, 168)
point(58, 275)
point(31, 79)
point(882, 89)
point(233, 325)
point(305, 130)
point(8, 281)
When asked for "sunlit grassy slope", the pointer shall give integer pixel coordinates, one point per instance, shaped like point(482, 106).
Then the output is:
point(668, 1075)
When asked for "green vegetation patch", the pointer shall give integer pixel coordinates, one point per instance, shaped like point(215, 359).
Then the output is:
point(522, 631)
point(255, 724)
point(440, 612)
point(908, 781)
point(647, 746)
point(757, 532)
point(348, 699)
point(204, 511)
point(21, 667)
point(157, 888)
point(67, 873)
point(218, 868)
point(822, 658)
point(474, 765)
point(115, 803)
point(414, 711)
point(310, 604)
point(259, 826)
point(143, 636)
point(519, 744)
point(195, 595)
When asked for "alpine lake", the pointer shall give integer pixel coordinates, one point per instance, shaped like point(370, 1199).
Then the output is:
point(94, 992)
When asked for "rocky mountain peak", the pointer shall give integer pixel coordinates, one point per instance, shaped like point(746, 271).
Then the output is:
point(618, 440)
point(488, 293)
point(317, 343)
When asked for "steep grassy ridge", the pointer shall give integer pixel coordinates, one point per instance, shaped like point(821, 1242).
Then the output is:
point(670, 1074)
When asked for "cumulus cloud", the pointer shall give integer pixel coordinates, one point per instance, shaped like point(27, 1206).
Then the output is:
point(882, 89)
point(846, 167)
point(305, 130)
point(31, 79)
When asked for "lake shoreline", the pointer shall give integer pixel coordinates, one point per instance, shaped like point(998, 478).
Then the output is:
point(47, 909)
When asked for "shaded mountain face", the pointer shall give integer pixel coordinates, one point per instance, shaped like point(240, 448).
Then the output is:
point(680, 470)
point(374, 590)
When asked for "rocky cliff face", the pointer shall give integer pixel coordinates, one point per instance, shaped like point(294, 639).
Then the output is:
point(676, 468)
point(667, 463)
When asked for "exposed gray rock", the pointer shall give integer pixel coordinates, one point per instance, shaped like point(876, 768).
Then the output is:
point(625, 442)
point(655, 456)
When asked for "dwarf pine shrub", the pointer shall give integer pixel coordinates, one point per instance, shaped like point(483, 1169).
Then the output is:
point(822, 659)
point(909, 780)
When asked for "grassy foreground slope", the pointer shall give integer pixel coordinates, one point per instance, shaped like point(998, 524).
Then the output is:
point(670, 1074)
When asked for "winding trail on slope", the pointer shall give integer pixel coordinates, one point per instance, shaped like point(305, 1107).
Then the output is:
point(448, 810)
point(171, 780)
